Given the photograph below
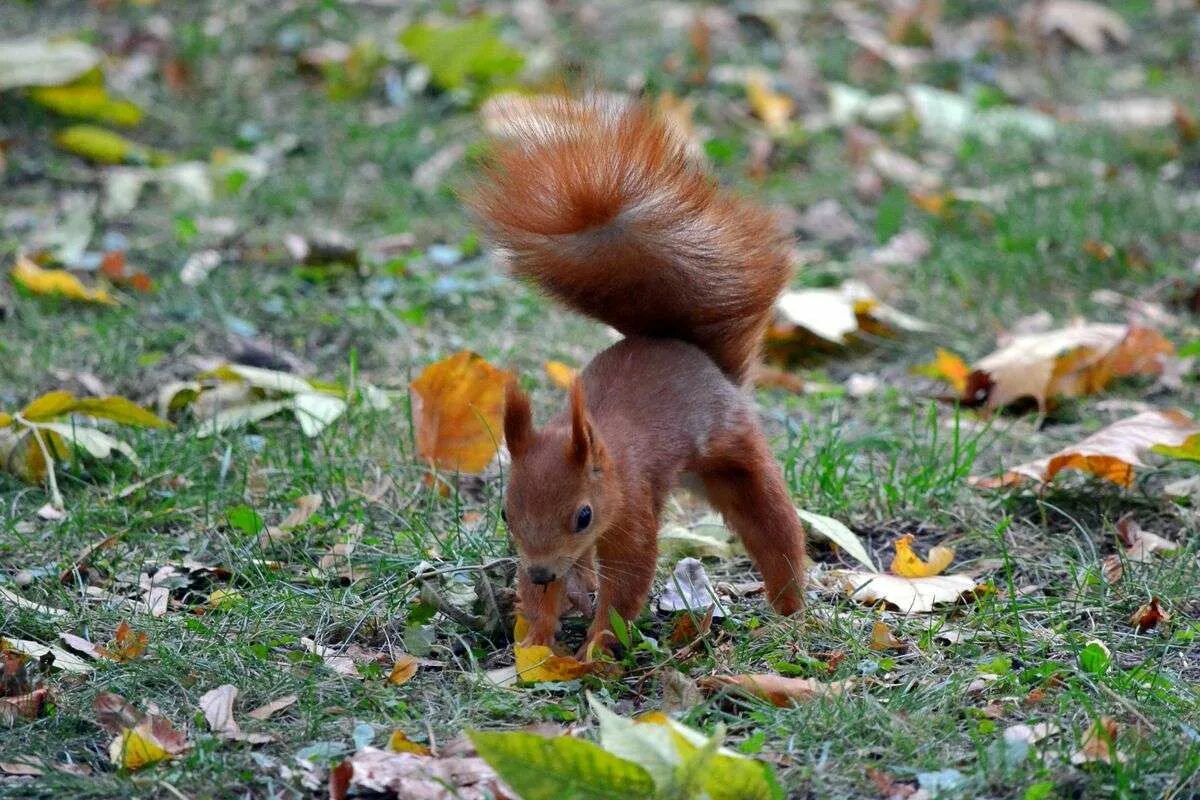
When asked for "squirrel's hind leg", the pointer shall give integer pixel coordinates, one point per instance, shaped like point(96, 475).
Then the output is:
point(744, 483)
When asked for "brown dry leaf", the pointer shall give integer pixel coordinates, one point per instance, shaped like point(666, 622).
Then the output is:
point(306, 506)
point(141, 739)
point(23, 706)
point(217, 705)
point(1139, 547)
point(776, 689)
point(908, 564)
point(1068, 362)
point(882, 638)
point(690, 627)
point(1087, 25)
point(907, 595)
point(403, 670)
point(1099, 744)
point(560, 374)
point(458, 405)
point(1149, 616)
point(80, 645)
point(127, 644)
point(267, 710)
point(342, 665)
point(1111, 453)
point(417, 777)
point(889, 788)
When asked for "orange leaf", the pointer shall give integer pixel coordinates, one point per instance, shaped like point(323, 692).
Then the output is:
point(127, 644)
point(458, 406)
point(882, 638)
point(560, 374)
point(908, 564)
point(777, 689)
point(399, 742)
point(403, 671)
point(56, 282)
point(1099, 744)
point(1111, 453)
point(949, 367)
point(1148, 616)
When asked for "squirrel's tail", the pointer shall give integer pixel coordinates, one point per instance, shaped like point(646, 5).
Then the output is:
point(598, 203)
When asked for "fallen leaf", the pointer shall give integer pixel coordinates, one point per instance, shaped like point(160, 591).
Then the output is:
point(468, 55)
point(1148, 616)
point(948, 367)
point(217, 706)
point(773, 108)
point(67, 662)
point(55, 283)
point(415, 776)
point(141, 739)
point(1087, 25)
point(1068, 362)
point(20, 602)
point(560, 374)
point(1111, 453)
point(80, 645)
point(86, 100)
point(839, 534)
point(458, 405)
point(44, 62)
point(835, 315)
point(342, 665)
point(23, 706)
point(305, 507)
point(889, 788)
point(540, 664)
point(105, 147)
point(882, 638)
point(776, 689)
point(907, 595)
point(267, 710)
point(399, 742)
point(689, 589)
point(908, 564)
point(1099, 744)
point(127, 644)
point(403, 670)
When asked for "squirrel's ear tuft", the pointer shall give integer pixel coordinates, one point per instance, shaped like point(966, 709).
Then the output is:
point(518, 419)
point(584, 444)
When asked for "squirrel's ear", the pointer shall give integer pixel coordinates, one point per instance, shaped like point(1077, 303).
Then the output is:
point(518, 419)
point(584, 443)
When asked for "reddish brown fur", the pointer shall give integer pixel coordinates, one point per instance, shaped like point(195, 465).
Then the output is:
point(596, 202)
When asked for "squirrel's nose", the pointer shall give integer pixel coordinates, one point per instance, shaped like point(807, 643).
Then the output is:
point(541, 576)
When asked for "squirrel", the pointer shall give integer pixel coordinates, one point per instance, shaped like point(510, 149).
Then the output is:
point(597, 202)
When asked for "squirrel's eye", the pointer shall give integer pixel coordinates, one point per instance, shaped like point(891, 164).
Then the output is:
point(583, 518)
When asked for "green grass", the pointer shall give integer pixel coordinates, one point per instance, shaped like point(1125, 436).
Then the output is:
point(889, 463)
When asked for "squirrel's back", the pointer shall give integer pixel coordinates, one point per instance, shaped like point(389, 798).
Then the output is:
point(597, 202)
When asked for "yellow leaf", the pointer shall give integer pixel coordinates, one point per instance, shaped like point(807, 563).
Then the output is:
point(403, 670)
point(48, 406)
point(772, 108)
point(136, 747)
point(908, 564)
point(949, 367)
point(458, 407)
point(5, 419)
point(882, 638)
point(87, 102)
point(539, 663)
point(119, 409)
point(399, 742)
point(560, 374)
point(520, 628)
point(105, 147)
point(224, 598)
point(55, 282)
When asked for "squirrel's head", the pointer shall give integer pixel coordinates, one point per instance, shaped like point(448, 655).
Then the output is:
point(561, 494)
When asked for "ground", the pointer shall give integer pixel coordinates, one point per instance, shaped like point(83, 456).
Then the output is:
point(1070, 224)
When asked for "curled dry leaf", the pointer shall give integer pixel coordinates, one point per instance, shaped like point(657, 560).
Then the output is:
point(458, 405)
point(1112, 453)
point(217, 706)
point(126, 645)
point(908, 564)
point(403, 670)
point(141, 739)
point(399, 742)
point(689, 589)
point(1068, 362)
point(907, 595)
point(342, 665)
point(882, 638)
point(1099, 744)
point(776, 689)
point(417, 777)
point(540, 664)
point(306, 506)
point(23, 706)
point(1139, 547)
point(833, 316)
point(64, 660)
point(267, 710)
point(1148, 616)
point(773, 108)
point(1084, 24)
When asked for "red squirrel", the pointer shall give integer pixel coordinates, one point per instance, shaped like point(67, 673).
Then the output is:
point(596, 201)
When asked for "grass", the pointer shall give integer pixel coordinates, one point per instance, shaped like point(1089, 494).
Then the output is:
point(894, 461)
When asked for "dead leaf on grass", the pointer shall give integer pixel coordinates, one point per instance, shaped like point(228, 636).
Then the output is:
point(417, 777)
point(403, 670)
point(56, 283)
point(1099, 744)
point(908, 564)
point(907, 595)
point(141, 739)
point(1084, 24)
point(882, 638)
point(834, 316)
point(217, 706)
point(458, 405)
point(773, 108)
point(342, 665)
point(267, 710)
point(126, 645)
point(777, 689)
point(1112, 453)
point(399, 742)
point(1148, 616)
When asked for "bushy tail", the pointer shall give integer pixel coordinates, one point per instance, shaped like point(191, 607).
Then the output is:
point(597, 202)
